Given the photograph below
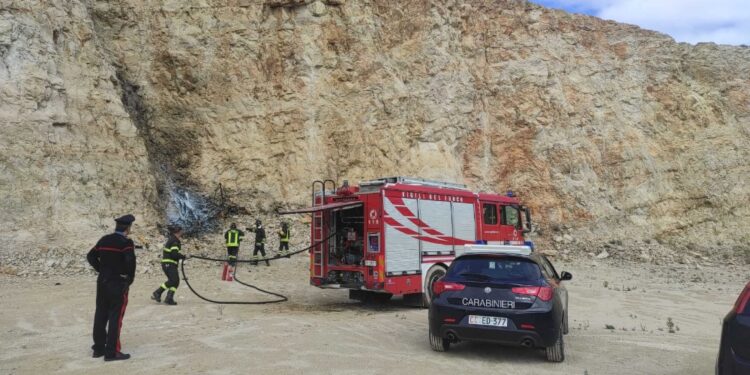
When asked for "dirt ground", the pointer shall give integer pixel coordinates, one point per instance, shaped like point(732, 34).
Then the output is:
point(45, 328)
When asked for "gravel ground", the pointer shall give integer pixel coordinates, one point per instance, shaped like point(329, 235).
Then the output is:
point(619, 325)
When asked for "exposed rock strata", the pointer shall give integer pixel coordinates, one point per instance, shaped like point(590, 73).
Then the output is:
point(610, 132)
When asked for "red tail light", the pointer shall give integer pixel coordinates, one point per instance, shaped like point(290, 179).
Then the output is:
point(442, 286)
point(544, 293)
point(742, 300)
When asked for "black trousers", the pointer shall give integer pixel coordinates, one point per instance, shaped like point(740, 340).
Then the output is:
point(283, 246)
point(232, 252)
point(173, 277)
point(260, 247)
point(111, 301)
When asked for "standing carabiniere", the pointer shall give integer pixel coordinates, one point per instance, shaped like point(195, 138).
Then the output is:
point(113, 257)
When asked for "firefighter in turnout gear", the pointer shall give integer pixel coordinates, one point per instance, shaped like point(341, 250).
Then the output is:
point(284, 234)
point(170, 259)
point(233, 238)
point(113, 257)
point(260, 241)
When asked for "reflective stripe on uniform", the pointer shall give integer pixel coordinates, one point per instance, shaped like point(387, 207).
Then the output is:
point(171, 249)
point(173, 289)
point(169, 261)
point(233, 238)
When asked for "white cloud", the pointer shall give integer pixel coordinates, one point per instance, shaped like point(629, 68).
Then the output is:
point(692, 21)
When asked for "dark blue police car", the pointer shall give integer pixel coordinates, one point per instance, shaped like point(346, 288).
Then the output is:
point(501, 294)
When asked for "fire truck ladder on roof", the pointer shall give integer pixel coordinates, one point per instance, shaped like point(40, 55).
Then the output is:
point(318, 230)
point(414, 181)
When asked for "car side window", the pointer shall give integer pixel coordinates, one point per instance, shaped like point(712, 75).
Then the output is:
point(543, 268)
point(547, 265)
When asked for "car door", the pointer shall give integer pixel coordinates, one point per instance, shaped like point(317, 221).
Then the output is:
point(555, 277)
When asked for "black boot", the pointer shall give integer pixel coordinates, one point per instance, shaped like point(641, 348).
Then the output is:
point(117, 357)
point(170, 298)
point(156, 295)
point(98, 353)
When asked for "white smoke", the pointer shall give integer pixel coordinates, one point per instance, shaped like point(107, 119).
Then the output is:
point(191, 211)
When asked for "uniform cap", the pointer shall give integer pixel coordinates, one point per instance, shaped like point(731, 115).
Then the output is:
point(125, 219)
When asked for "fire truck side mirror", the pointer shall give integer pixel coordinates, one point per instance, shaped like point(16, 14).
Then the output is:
point(527, 213)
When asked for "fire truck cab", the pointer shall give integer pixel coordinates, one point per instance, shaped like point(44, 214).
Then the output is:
point(397, 235)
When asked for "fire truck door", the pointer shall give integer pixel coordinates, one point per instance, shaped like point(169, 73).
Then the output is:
point(490, 222)
point(510, 223)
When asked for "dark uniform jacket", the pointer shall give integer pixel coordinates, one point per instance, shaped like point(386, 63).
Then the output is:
point(113, 257)
point(284, 234)
point(260, 235)
point(171, 252)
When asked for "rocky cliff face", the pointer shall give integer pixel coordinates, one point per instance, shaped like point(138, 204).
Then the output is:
point(71, 157)
point(612, 134)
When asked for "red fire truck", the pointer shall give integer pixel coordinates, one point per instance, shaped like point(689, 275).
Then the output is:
point(397, 235)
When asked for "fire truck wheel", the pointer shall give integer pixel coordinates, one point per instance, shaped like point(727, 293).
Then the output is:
point(438, 343)
point(433, 274)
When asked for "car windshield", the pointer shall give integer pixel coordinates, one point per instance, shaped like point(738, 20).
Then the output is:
point(486, 268)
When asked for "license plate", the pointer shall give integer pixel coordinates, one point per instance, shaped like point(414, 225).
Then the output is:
point(488, 321)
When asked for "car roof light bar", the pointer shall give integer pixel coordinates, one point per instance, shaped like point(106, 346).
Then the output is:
point(493, 249)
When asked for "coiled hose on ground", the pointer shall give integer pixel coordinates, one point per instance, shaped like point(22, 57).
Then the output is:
point(281, 297)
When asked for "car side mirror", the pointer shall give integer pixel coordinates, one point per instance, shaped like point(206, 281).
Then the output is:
point(566, 276)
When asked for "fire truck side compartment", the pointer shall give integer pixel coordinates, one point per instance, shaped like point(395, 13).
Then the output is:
point(402, 250)
point(439, 217)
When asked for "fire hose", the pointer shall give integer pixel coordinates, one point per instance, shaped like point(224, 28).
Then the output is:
point(281, 297)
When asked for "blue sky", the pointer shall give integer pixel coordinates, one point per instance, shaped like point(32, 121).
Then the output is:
point(692, 21)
